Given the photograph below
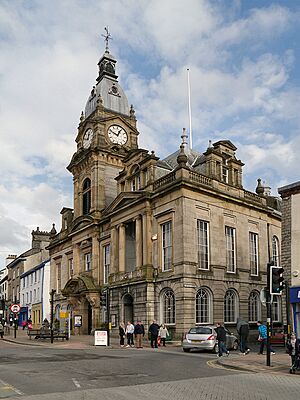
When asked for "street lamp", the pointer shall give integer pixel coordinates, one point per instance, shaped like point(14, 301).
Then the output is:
point(53, 291)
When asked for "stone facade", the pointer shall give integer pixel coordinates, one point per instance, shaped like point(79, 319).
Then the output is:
point(178, 240)
point(290, 250)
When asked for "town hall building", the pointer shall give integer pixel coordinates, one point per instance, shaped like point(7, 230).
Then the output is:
point(177, 239)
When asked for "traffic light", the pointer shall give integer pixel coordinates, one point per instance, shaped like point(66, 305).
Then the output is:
point(276, 280)
point(103, 298)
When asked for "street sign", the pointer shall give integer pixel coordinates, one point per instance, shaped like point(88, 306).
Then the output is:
point(100, 338)
point(263, 297)
point(15, 308)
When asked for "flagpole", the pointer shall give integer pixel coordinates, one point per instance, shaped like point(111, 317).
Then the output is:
point(189, 103)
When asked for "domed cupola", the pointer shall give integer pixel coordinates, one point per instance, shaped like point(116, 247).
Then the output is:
point(107, 87)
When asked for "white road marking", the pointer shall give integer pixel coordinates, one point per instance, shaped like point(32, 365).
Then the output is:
point(76, 383)
point(7, 386)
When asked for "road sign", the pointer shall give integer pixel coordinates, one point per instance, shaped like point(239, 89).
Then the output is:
point(15, 308)
point(263, 297)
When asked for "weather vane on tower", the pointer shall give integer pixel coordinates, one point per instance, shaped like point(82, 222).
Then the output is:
point(107, 37)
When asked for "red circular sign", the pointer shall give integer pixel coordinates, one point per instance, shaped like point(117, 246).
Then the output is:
point(15, 308)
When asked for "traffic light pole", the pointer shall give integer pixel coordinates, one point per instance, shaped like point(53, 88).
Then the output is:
point(53, 291)
point(269, 314)
point(108, 316)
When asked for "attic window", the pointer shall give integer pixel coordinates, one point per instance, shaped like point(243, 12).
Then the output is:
point(225, 174)
point(136, 179)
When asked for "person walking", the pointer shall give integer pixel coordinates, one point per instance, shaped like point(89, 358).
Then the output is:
point(1, 329)
point(163, 333)
point(263, 336)
point(154, 329)
point(129, 333)
point(122, 333)
point(242, 328)
point(293, 349)
point(139, 333)
point(24, 324)
point(221, 338)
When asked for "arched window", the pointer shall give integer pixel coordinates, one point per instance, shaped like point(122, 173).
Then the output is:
point(86, 196)
point(276, 309)
point(275, 250)
point(168, 307)
point(254, 307)
point(230, 306)
point(203, 306)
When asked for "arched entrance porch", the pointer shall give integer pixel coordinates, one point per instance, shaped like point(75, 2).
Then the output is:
point(83, 296)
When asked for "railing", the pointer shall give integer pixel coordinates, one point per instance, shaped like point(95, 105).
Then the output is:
point(204, 180)
point(136, 275)
point(164, 180)
point(252, 196)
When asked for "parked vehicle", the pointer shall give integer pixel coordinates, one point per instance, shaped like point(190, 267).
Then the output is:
point(204, 338)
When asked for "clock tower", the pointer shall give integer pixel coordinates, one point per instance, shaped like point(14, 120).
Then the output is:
point(106, 134)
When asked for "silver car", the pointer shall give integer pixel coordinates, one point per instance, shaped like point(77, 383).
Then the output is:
point(204, 338)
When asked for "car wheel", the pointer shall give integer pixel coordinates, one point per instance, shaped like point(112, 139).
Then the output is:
point(186, 350)
point(235, 345)
point(216, 349)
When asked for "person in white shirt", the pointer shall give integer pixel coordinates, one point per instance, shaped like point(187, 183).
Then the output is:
point(163, 333)
point(129, 333)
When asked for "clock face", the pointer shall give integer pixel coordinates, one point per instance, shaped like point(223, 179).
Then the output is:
point(117, 135)
point(87, 138)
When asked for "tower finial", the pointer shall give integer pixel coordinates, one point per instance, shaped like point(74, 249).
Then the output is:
point(107, 37)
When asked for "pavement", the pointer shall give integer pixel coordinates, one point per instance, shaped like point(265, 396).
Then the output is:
point(252, 362)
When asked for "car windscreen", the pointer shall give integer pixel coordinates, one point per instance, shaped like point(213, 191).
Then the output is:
point(200, 330)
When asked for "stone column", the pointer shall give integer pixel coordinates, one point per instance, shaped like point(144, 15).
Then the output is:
point(147, 244)
point(138, 242)
point(76, 259)
point(76, 198)
point(114, 250)
point(121, 248)
point(96, 259)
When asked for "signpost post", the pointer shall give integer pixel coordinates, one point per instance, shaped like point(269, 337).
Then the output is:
point(15, 308)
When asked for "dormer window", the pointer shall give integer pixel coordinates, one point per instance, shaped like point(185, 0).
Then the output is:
point(225, 174)
point(136, 180)
point(86, 196)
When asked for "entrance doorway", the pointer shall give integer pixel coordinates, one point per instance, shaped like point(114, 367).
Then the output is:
point(128, 308)
point(90, 319)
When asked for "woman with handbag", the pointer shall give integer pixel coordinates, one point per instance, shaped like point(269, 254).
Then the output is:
point(122, 333)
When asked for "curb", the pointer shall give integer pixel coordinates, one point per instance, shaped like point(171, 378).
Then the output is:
point(252, 370)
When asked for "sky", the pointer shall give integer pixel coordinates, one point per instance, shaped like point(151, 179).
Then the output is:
point(244, 63)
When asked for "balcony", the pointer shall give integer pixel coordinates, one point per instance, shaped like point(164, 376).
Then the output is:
point(142, 274)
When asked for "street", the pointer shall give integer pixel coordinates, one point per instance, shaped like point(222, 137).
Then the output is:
point(31, 372)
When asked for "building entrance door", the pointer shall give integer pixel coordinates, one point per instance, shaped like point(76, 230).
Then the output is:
point(128, 308)
point(90, 319)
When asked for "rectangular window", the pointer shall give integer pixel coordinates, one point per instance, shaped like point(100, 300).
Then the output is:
point(230, 249)
point(166, 246)
point(27, 298)
point(88, 261)
point(23, 299)
point(71, 269)
point(225, 174)
point(35, 277)
point(106, 263)
point(203, 244)
point(253, 253)
point(30, 296)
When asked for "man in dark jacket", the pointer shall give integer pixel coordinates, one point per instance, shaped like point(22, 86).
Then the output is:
point(242, 328)
point(154, 330)
point(139, 333)
point(221, 338)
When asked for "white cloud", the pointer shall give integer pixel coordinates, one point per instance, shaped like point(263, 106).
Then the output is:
point(242, 89)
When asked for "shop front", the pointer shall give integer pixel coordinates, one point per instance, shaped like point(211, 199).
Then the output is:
point(295, 303)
